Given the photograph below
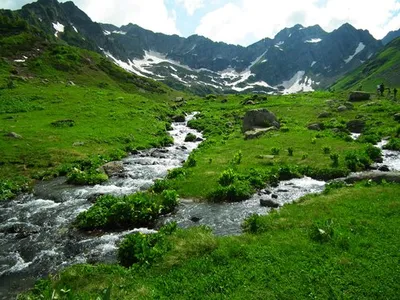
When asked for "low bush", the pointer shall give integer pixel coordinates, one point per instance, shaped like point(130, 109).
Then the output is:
point(394, 144)
point(227, 177)
point(322, 232)
point(140, 209)
point(90, 177)
point(253, 224)
point(175, 173)
point(235, 192)
point(139, 248)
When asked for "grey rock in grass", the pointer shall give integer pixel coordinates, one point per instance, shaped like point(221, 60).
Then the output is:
point(257, 132)
point(342, 108)
point(324, 114)
point(356, 126)
point(113, 168)
point(268, 203)
point(259, 118)
point(359, 96)
point(14, 135)
point(316, 126)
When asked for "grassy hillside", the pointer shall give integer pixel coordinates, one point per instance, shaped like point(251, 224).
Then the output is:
point(341, 245)
point(67, 105)
point(383, 67)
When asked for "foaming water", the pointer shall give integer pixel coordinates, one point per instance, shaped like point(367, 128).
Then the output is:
point(35, 232)
point(226, 219)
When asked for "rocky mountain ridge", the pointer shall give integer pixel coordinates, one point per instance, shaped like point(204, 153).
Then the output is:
point(296, 59)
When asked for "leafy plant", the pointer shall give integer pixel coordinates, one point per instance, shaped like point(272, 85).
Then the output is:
point(290, 151)
point(275, 151)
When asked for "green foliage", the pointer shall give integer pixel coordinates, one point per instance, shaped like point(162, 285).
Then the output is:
point(175, 173)
point(10, 188)
point(253, 224)
point(140, 209)
point(275, 151)
point(393, 144)
point(91, 177)
point(160, 185)
point(235, 192)
point(290, 151)
point(191, 162)
point(326, 150)
point(322, 232)
point(63, 123)
point(237, 159)
point(356, 161)
point(227, 177)
point(139, 248)
point(374, 153)
point(335, 159)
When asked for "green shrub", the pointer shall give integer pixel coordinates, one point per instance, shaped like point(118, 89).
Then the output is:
point(394, 144)
point(11, 188)
point(371, 138)
point(326, 150)
point(288, 172)
point(140, 209)
point(322, 232)
point(160, 185)
point(90, 177)
point(139, 248)
point(335, 159)
point(253, 224)
point(191, 162)
point(356, 161)
point(275, 151)
point(237, 159)
point(175, 173)
point(63, 123)
point(374, 153)
point(227, 177)
point(235, 192)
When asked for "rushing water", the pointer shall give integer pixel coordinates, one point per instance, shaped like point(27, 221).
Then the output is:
point(35, 234)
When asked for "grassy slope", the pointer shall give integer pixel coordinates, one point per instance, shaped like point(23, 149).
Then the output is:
point(283, 261)
point(221, 123)
point(111, 109)
point(383, 67)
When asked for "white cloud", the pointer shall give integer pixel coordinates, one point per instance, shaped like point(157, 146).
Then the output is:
point(251, 20)
point(150, 14)
point(191, 5)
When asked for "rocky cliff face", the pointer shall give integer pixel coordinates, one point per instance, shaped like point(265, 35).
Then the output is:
point(297, 59)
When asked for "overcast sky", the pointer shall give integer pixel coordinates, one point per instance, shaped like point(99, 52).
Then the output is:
point(239, 21)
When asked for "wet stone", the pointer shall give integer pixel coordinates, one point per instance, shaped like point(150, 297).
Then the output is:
point(268, 203)
point(274, 196)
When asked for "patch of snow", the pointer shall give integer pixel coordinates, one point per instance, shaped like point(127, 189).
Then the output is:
point(297, 84)
point(58, 28)
point(179, 79)
point(119, 32)
point(313, 41)
point(173, 69)
point(369, 56)
point(276, 46)
point(360, 48)
point(40, 19)
point(19, 60)
point(194, 47)
point(290, 35)
point(313, 63)
point(264, 61)
point(244, 76)
point(127, 66)
point(76, 30)
point(194, 77)
point(280, 43)
point(106, 32)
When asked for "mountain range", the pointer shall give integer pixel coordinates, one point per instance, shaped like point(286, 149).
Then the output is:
point(296, 59)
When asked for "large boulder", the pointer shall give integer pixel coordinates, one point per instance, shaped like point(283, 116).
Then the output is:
point(113, 168)
point(316, 126)
point(356, 126)
point(259, 118)
point(269, 203)
point(359, 96)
